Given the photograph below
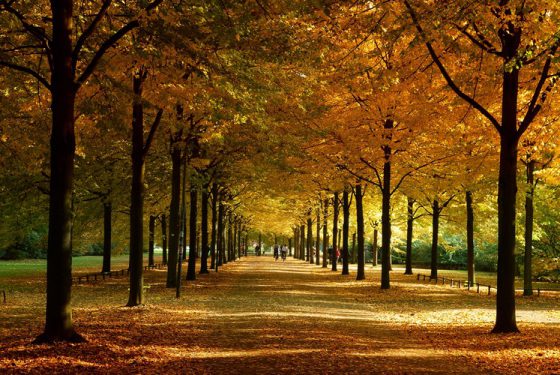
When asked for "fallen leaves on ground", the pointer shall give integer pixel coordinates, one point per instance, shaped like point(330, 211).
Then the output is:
point(260, 316)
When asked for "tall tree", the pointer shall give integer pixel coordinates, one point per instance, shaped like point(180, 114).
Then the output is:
point(526, 43)
point(345, 229)
point(360, 232)
point(140, 150)
point(334, 259)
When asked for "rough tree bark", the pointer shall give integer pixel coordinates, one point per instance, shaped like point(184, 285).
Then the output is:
point(151, 238)
point(409, 230)
point(302, 242)
point(107, 213)
point(335, 232)
point(58, 324)
point(361, 275)
point(204, 230)
point(191, 268)
point(325, 232)
point(220, 235)
point(470, 238)
point(174, 219)
point(374, 246)
point(318, 237)
point(213, 253)
point(345, 230)
point(386, 213)
point(164, 239)
point(139, 153)
point(435, 234)
point(529, 213)
point(310, 238)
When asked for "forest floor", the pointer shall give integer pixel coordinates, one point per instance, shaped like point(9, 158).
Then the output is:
point(257, 316)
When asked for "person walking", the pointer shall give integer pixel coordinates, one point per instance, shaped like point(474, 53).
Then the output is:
point(276, 249)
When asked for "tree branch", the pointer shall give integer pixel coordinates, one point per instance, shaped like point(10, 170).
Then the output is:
point(534, 106)
point(102, 50)
point(446, 75)
point(152, 132)
point(371, 166)
point(110, 43)
point(416, 169)
point(481, 43)
point(27, 70)
point(35, 31)
point(87, 32)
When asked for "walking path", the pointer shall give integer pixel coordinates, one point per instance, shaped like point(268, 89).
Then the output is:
point(258, 316)
point(282, 318)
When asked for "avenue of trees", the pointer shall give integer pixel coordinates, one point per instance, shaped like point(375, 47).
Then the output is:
point(207, 126)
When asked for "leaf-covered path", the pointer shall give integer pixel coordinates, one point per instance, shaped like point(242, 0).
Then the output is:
point(280, 317)
point(257, 316)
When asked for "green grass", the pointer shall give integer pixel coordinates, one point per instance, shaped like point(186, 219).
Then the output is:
point(10, 269)
point(486, 278)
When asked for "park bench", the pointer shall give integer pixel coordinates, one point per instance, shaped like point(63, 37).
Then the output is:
point(95, 276)
point(479, 287)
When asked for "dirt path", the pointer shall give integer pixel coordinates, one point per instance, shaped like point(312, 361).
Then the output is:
point(281, 318)
point(257, 316)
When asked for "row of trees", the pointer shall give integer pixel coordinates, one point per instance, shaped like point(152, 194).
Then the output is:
point(270, 107)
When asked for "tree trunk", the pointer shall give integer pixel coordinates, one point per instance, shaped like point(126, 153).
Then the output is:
point(386, 229)
point(234, 239)
point(361, 275)
point(136, 292)
point(184, 229)
point(229, 239)
point(374, 247)
point(409, 228)
point(151, 237)
point(239, 243)
point(204, 231)
point(183, 226)
point(214, 225)
point(191, 269)
point(309, 238)
point(107, 213)
point(435, 234)
point(353, 252)
point(58, 323)
point(296, 239)
point(174, 219)
point(302, 241)
point(340, 241)
point(220, 235)
point(318, 237)
point(325, 232)
point(164, 239)
point(335, 232)
point(470, 238)
point(528, 256)
point(345, 230)
point(507, 190)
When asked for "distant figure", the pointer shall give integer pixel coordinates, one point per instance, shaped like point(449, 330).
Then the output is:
point(258, 250)
point(283, 252)
point(276, 251)
point(338, 255)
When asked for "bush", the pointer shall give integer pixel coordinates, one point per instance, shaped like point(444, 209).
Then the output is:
point(486, 259)
point(95, 249)
point(32, 245)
